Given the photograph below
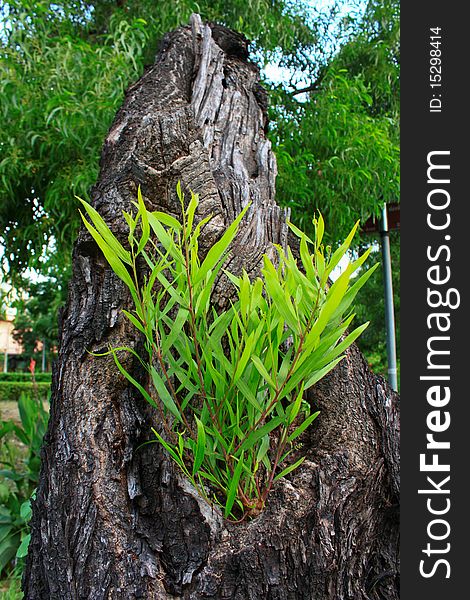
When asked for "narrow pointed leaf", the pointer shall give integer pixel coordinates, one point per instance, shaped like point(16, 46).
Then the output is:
point(303, 426)
point(232, 490)
point(218, 251)
point(290, 468)
point(106, 234)
point(113, 258)
point(257, 434)
point(164, 394)
point(200, 446)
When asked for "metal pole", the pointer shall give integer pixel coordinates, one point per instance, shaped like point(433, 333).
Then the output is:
point(43, 356)
point(388, 291)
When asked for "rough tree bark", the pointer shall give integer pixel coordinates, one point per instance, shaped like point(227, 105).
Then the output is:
point(115, 521)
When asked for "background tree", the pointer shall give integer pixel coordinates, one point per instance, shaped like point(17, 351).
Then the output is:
point(36, 324)
point(337, 146)
point(65, 66)
point(3, 304)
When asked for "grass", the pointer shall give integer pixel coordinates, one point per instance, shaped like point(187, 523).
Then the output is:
point(10, 589)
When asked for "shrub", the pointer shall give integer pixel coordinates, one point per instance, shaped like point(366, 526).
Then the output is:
point(229, 385)
point(12, 390)
point(19, 477)
point(15, 377)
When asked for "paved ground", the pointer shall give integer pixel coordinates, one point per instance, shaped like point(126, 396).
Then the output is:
point(8, 410)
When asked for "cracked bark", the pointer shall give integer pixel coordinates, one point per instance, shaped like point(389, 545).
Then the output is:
point(115, 521)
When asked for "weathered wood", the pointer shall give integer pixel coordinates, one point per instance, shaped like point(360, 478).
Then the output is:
point(115, 521)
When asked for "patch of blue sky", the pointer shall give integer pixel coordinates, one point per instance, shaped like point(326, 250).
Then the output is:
point(334, 19)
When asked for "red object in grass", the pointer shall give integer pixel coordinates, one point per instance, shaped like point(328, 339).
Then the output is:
point(32, 366)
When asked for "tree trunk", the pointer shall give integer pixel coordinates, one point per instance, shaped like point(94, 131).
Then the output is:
point(116, 520)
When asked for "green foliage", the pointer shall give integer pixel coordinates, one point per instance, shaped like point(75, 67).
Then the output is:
point(337, 151)
point(65, 67)
point(26, 377)
point(373, 54)
point(59, 93)
point(229, 385)
point(11, 390)
point(3, 304)
point(36, 315)
point(19, 477)
point(14, 589)
point(338, 144)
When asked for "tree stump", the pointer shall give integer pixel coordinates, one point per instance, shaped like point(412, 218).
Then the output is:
point(112, 520)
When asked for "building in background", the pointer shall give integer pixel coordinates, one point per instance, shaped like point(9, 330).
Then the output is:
point(10, 349)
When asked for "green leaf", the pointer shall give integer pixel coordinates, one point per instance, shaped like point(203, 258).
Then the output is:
point(190, 212)
point(176, 329)
point(353, 290)
point(245, 357)
point(129, 377)
point(300, 234)
point(25, 511)
point(260, 432)
point(322, 372)
point(164, 394)
point(113, 259)
point(137, 324)
point(165, 239)
point(289, 469)
point(319, 230)
point(169, 288)
point(170, 450)
point(341, 251)
point(293, 410)
point(179, 193)
point(210, 477)
point(307, 260)
point(145, 222)
point(5, 529)
point(247, 392)
point(263, 448)
point(263, 372)
point(281, 300)
point(303, 426)
point(331, 303)
point(8, 547)
point(27, 413)
point(348, 340)
point(131, 224)
point(203, 299)
point(218, 251)
point(200, 446)
point(23, 547)
point(232, 490)
point(167, 220)
point(105, 233)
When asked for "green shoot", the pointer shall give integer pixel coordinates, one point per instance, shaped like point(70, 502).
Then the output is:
point(230, 385)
